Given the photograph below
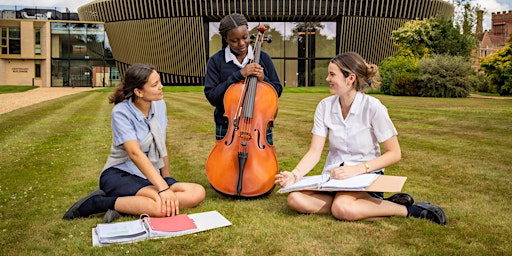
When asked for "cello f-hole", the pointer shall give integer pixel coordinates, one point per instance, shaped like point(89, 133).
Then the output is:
point(259, 139)
point(227, 143)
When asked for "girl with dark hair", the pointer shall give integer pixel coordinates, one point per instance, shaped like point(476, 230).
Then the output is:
point(136, 177)
point(232, 64)
point(356, 124)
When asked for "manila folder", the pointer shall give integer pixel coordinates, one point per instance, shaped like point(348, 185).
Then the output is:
point(387, 183)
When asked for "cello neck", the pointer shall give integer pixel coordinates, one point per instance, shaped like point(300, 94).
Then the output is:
point(252, 81)
point(259, 42)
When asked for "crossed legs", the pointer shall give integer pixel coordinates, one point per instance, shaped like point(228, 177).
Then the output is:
point(148, 201)
point(344, 205)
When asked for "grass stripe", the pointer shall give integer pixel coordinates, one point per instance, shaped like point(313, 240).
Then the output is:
point(456, 153)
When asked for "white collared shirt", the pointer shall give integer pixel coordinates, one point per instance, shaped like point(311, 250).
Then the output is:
point(356, 138)
point(229, 56)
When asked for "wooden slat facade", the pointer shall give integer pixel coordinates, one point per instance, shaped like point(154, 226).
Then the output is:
point(171, 34)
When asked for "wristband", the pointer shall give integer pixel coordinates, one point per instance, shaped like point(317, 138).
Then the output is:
point(165, 189)
point(366, 167)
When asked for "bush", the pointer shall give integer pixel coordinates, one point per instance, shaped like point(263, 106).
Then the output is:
point(498, 69)
point(398, 75)
point(482, 85)
point(445, 76)
point(405, 84)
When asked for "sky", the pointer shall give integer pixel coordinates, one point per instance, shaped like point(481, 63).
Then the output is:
point(489, 6)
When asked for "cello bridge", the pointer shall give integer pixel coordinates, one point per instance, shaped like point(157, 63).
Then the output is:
point(245, 135)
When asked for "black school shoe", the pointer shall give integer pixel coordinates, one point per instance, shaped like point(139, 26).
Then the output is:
point(401, 198)
point(111, 215)
point(432, 213)
point(73, 213)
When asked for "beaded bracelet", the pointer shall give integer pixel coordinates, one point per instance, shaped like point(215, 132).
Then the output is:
point(165, 189)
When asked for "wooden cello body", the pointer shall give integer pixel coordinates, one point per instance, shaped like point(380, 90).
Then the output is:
point(243, 163)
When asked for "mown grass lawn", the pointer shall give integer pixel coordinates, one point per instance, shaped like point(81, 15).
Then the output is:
point(457, 153)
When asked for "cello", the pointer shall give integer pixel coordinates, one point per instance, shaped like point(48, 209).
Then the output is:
point(243, 164)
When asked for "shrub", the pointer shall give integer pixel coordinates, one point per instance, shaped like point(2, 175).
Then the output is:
point(445, 76)
point(398, 75)
point(404, 84)
point(498, 69)
point(483, 85)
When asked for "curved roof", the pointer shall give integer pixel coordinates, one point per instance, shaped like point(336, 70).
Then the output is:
point(172, 34)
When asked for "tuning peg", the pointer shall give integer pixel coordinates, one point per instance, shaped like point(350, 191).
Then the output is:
point(269, 39)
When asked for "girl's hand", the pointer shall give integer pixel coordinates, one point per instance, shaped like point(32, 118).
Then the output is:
point(170, 203)
point(285, 179)
point(253, 69)
point(345, 172)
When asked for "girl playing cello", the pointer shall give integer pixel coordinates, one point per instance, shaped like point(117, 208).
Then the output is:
point(243, 162)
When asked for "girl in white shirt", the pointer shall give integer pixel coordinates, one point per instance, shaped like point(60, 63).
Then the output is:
point(356, 124)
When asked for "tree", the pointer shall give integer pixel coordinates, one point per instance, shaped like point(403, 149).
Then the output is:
point(498, 69)
point(433, 36)
point(413, 36)
point(432, 60)
point(465, 16)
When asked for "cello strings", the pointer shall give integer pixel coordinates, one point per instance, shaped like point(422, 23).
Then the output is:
point(247, 99)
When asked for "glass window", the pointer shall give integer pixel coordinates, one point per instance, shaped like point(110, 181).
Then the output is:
point(81, 56)
point(38, 69)
point(114, 74)
point(60, 37)
point(291, 76)
point(11, 41)
point(4, 37)
point(14, 44)
point(38, 41)
point(108, 48)
point(215, 38)
point(300, 50)
point(78, 40)
point(60, 75)
point(95, 40)
point(80, 73)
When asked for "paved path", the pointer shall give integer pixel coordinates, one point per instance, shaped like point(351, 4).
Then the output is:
point(12, 101)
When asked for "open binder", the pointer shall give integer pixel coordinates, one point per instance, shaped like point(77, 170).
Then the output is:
point(152, 227)
point(370, 182)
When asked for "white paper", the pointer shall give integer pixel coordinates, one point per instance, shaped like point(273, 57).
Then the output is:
point(121, 232)
point(318, 182)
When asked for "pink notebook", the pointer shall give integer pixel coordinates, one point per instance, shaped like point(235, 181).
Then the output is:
point(176, 223)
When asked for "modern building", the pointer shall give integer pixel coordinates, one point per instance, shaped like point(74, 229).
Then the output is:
point(51, 47)
point(48, 47)
point(179, 36)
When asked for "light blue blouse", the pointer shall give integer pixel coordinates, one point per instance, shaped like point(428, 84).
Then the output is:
point(128, 123)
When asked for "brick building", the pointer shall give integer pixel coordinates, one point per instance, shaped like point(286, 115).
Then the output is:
point(495, 38)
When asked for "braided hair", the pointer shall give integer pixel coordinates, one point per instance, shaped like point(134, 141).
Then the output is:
point(228, 23)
